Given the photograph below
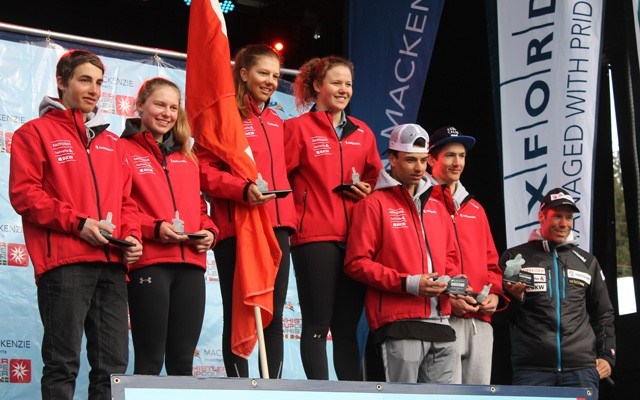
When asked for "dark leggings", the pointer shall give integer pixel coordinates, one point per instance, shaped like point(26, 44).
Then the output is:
point(328, 299)
point(166, 306)
point(225, 252)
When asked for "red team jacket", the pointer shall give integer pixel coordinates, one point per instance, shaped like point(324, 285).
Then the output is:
point(318, 162)
point(58, 178)
point(264, 132)
point(479, 257)
point(163, 181)
point(386, 244)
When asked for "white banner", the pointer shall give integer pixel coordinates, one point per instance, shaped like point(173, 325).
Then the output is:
point(549, 55)
point(27, 73)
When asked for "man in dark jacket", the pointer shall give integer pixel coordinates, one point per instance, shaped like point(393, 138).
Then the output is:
point(562, 331)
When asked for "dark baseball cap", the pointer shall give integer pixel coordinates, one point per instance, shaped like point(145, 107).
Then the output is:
point(558, 197)
point(448, 134)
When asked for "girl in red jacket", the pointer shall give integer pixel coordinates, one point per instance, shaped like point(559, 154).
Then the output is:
point(332, 162)
point(166, 288)
point(256, 72)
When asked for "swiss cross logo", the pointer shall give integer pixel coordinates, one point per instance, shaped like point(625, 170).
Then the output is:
point(19, 371)
point(125, 105)
point(17, 255)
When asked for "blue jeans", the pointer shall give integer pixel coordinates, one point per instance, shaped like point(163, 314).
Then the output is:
point(585, 378)
point(77, 298)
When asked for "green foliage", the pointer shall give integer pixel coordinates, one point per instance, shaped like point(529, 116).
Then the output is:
point(622, 238)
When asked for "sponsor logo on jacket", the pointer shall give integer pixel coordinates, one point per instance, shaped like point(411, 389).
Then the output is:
point(249, 130)
point(539, 278)
point(63, 151)
point(579, 275)
point(321, 146)
point(398, 218)
point(143, 164)
point(98, 147)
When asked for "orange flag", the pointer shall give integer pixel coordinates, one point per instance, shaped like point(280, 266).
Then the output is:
point(217, 126)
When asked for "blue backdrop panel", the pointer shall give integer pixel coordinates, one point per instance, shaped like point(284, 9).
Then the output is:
point(390, 45)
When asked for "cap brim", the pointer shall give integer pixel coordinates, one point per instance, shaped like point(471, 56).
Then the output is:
point(562, 204)
point(467, 141)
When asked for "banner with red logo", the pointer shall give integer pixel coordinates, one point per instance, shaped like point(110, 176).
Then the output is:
point(27, 74)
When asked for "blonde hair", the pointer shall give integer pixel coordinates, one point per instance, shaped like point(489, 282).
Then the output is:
point(312, 71)
point(246, 58)
point(181, 130)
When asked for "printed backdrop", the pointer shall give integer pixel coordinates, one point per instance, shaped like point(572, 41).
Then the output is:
point(549, 62)
point(27, 73)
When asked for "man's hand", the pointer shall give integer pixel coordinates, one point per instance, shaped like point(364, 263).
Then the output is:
point(490, 304)
point(462, 304)
point(516, 290)
point(256, 198)
point(358, 191)
point(428, 287)
point(204, 244)
point(603, 367)
point(167, 234)
point(91, 232)
point(131, 254)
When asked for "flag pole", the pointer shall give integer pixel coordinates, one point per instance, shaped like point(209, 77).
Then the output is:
point(264, 368)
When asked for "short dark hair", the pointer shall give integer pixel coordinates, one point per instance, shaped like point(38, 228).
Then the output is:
point(71, 60)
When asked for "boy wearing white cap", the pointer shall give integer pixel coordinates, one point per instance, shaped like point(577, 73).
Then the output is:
point(400, 241)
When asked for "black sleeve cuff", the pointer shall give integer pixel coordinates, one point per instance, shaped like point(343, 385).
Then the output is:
point(245, 194)
point(156, 232)
point(403, 284)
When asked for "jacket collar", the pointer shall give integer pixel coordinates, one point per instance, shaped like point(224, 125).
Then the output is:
point(548, 245)
point(325, 115)
point(132, 129)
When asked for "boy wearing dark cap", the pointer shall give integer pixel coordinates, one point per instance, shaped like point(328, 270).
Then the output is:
point(479, 258)
point(399, 243)
point(562, 330)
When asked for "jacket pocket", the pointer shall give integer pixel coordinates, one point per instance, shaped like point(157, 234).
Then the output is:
point(304, 210)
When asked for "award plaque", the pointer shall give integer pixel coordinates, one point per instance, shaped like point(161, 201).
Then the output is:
point(458, 285)
point(513, 272)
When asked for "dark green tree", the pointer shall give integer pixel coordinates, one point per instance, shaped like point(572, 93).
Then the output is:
point(622, 239)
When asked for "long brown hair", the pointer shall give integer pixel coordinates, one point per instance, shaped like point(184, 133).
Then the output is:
point(312, 71)
point(246, 58)
point(181, 130)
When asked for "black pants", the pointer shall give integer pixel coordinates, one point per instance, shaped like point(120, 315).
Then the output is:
point(329, 299)
point(225, 252)
point(166, 306)
point(75, 298)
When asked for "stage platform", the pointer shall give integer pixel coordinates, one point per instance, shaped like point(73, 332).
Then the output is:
point(127, 387)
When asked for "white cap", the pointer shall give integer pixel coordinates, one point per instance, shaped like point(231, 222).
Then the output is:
point(404, 136)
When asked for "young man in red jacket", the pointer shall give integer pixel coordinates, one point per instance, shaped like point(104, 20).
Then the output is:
point(479, 258)
point(69, 181)
point(401, 240)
